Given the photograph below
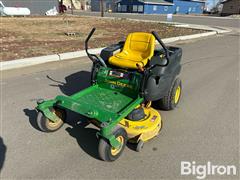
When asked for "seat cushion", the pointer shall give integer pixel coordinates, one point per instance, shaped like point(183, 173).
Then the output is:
point(138, 49)
point(125, 60)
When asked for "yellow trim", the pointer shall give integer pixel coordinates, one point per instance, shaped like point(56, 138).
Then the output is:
point(137, 50)
point(149, 104)
point(53, 124)
point(177, 94)
point(59, 121)
point(115, 151)
point(144, 129)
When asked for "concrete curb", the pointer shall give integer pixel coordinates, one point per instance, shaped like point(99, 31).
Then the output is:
point(27, 62)
point(184, 25)
point(193, 36)
point(177, 24)
point(78, 54)
point(19, 63)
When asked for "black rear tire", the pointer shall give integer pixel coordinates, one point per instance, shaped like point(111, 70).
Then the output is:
point(46, 125)
point(171, 100)
point(106, 151)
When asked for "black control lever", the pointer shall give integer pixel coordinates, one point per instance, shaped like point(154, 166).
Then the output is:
point(93, 57)
point(89, 36)
point(162, 44)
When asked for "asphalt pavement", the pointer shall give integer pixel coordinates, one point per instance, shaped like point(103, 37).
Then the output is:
point(204, 127)
point(188, 19)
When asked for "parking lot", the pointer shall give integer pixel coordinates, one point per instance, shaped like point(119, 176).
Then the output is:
point(205, 126)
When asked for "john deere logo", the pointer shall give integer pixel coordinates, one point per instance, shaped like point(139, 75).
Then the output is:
point(120, 84)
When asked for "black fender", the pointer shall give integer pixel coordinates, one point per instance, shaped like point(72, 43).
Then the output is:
point(160, 78)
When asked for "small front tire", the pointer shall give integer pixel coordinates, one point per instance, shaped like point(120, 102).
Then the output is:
point(106, 151)
point(46, 125)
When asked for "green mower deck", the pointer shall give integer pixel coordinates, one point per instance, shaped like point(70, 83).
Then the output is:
point(105, 99)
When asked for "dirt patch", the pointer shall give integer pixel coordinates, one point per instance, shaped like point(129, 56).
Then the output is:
point(23, 37)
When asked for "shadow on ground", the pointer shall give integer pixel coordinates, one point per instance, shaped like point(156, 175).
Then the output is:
point(74, 82)
point(32, 117)
point(3, 150)
point(85, 136)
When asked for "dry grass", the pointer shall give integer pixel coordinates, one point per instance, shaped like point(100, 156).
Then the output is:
point(35, 36)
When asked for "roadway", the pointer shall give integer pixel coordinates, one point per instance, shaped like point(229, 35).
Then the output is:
point(204, 127)
point(188, 19)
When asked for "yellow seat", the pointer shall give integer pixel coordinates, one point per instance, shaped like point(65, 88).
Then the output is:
point(137, 50)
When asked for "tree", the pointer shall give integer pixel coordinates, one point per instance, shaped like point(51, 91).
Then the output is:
point(71, 7)
point(101, 8)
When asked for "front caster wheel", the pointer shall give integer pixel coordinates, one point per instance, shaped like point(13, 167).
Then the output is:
point(107, 152)
point(46, 125)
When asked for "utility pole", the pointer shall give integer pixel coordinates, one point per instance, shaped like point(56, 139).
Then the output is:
point(71, 7)
point(101, 8)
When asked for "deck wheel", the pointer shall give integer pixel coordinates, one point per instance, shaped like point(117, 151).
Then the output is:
point(140, 145)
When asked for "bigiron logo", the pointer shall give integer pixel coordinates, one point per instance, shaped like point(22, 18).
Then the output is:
point(202, 171)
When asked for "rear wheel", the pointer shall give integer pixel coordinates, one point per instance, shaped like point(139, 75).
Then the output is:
point(171, 100)
point(46, 125)
point(109, 153)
